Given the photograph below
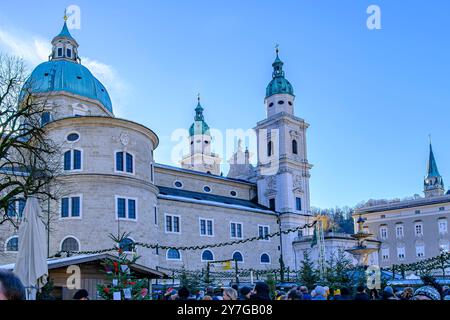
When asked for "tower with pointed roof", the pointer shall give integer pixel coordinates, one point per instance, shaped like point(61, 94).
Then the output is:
point(200, 157)
point(433, 182)
point(283, 169)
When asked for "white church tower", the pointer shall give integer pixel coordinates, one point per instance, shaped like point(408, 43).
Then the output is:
point(200, 157)
point(283, 168)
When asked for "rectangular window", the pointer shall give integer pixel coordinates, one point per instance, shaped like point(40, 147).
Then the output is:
point(236, 230)
point(206, 227)
point(383, 233)
point(119, 161)
point(121, 212)
point(385, 254)
point(272, 204)
point(399, 231)
point(298, 204)
point(418, 228)
point(442, 223)
point(420, 251)
point(60, 52)
point(401, 253)
point(71, 207)
point(176, 224)
point(129, 163)
point(126, 208)
point(172, 224)
point(263, 231)
point(22, 203)
point(75, 206)
point(131, 209)
point(155, 215)
point(64, 207)
point(441, 208)
point(76, 159)
point(67, 160)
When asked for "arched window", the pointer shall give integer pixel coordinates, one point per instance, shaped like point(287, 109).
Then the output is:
point(173, 254)
point(265, 258)
point(127, 245)
point(69, 53)
point(294, 147)
point(269, 148)
point(12, 245)
point(72, 160)
point(207, 255)
point(237, 256)
point(70, 244)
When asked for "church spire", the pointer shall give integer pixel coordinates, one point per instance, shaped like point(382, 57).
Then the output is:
point(432, 166)
point(433, 183)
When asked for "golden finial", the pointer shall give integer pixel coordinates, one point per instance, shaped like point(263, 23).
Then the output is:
point(65, 15)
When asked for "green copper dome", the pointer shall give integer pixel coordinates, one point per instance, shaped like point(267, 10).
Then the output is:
point(199, 127)
point(279, 83)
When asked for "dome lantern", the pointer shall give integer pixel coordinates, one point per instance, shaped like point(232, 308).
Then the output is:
point(65, 47)
point(279, 84)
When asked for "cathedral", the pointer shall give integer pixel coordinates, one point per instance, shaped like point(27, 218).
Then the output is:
point(110, 183)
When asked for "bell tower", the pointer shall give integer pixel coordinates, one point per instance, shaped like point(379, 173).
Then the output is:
point(283, 169)
point(200, 157)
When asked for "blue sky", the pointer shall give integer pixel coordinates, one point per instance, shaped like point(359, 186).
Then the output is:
point(372, 97)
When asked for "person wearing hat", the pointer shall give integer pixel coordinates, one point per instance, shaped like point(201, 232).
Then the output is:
point(426, 293)
point(81, 295)
point(320, 293)
point(337, 295)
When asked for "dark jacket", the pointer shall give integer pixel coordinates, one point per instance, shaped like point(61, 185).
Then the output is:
point(362, 296)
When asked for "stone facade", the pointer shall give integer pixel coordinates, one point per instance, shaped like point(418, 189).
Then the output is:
point(409, 230)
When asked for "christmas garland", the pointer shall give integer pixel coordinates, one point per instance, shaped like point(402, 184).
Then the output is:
point(193, 248)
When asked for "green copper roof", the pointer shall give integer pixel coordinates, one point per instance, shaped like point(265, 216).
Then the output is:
point(432, 166)
point(65, 32)
point(279, 83)
point(199, 126)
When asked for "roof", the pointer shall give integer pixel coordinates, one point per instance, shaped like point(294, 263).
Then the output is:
point(405, 204)
point(68, 76)
point(432, 166)
point(199, 127)
point(65, 33)
point(209, 175)
point(279, 84)
point(212, 199)
point(55, 263)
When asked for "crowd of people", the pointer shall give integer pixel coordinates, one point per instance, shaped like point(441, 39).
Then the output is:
point(261, 291)
point(11, 288)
